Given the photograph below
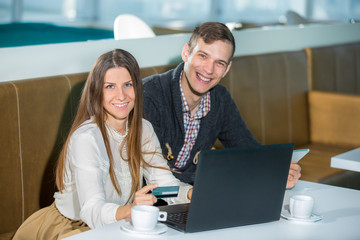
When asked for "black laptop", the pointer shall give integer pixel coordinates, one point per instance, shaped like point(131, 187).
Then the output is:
point(234, 187)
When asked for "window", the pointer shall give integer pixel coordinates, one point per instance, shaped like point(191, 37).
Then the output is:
point(174, 12)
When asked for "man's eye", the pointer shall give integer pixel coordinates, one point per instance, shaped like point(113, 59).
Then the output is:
point(221, 64)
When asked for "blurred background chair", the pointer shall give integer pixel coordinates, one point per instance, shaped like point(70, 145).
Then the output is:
point(293, 18)
point(127, 26)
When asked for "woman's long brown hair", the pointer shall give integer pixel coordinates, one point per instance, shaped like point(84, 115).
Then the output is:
point(91, 105)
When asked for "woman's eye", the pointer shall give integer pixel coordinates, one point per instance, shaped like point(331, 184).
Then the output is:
point(128, 84)
point(109, 86)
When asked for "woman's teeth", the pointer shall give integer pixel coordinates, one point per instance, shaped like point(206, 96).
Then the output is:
point(120, 105)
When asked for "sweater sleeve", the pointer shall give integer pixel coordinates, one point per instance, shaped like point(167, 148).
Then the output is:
point(153, 101)
point(234, 132)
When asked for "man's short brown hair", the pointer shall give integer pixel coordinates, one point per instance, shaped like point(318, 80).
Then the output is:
point(210, 32)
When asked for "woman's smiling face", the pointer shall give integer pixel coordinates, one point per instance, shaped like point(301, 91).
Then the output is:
point(118, 96)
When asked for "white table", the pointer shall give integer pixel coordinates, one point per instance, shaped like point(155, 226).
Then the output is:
point(349, 160)
point(340, 208)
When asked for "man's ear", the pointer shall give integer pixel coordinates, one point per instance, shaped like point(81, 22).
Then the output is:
point(227, 69)
point(185, 52)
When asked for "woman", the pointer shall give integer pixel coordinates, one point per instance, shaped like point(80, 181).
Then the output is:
point(110, 148)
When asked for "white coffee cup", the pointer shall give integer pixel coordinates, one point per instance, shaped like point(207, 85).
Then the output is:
point(145, 218)
point(301, 206)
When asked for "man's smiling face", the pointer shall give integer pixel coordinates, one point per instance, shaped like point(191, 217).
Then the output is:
point(205, 66)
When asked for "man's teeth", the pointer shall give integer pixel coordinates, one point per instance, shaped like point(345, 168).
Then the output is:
point(204, 79)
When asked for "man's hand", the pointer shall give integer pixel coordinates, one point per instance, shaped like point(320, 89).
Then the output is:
point(189, 194)
point(294, 175)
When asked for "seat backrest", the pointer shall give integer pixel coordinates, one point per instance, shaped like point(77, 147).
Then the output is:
point(334, 118)
point(127, 26)
point(36, 115)
point(335, 68)
point(270, 91)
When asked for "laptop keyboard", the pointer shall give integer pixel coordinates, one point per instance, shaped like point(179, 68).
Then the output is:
point(180, 217)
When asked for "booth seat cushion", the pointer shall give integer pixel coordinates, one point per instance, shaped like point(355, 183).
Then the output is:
point(7, 236)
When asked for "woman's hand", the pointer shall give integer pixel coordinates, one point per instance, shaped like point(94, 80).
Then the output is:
point(143, 197)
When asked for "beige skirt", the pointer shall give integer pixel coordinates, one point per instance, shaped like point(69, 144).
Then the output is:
point(48, 223)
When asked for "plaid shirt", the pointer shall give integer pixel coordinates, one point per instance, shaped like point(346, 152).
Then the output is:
point(191, 126)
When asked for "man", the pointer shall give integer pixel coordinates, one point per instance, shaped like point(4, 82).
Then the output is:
point(190, 110)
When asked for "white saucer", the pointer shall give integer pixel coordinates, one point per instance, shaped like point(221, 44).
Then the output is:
point(159, 228)
point(313, 218)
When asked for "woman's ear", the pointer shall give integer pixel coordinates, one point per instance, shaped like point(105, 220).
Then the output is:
point(185, 52)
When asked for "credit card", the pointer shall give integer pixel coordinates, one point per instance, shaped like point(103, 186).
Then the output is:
point(166, 192)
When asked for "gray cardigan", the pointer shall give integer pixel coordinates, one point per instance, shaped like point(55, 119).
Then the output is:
point(163, 108)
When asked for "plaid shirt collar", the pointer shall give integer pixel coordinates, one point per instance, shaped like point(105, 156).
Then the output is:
point(203, 108)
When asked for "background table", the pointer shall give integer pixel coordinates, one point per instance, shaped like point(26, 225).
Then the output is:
point(349, 160)
point(340, 208)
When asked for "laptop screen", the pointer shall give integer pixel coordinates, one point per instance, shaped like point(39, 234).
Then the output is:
point(239, 186)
